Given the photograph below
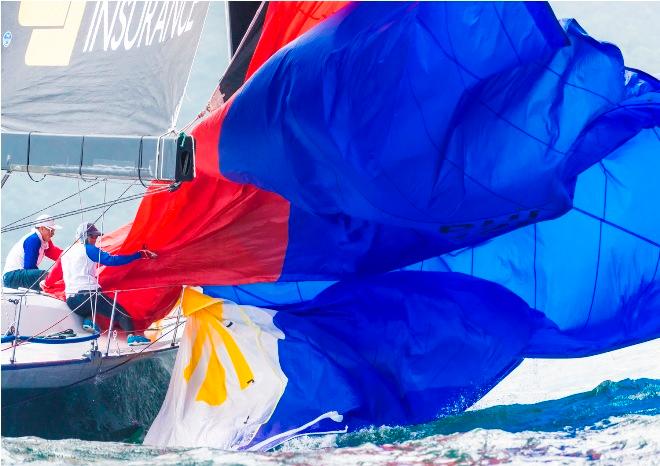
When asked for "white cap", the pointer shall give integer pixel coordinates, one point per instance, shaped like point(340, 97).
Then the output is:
point(47, 221)
point(86, 230)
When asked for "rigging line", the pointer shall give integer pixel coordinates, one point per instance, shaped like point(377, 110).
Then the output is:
point(139, 330)
point(244, 39)
point(71, 213)
point(105, 199)
point(92, 177)
point(179, 104)
point(108, 291)
point(82, 219)
point(94, 304)
point(98, 287)
point(154, 287)
point(93, 207)
point(191, 122)
point(49, 206)
point(129, 358)
point(146, 329)
point(618, 227)
point(71, 245)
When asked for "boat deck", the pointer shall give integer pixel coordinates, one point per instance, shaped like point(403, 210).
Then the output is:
point(53, 362)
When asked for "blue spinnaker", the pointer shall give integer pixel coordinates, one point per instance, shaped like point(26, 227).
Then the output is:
point(514, 154)
point(391, 134)
point(594, 271)
point(400, 115)
point(408, 347)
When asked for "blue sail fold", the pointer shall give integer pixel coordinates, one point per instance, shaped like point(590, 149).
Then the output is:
point(397, 135)
point(409, 347)
point(507, 161)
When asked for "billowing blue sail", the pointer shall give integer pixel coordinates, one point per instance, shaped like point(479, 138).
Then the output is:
point(396, 349)
point(396, 135)
point(410, 126)
point(593, 271)
point(506, 160)
point(408, 347)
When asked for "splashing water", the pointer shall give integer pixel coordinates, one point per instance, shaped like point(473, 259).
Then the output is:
point(616, 423)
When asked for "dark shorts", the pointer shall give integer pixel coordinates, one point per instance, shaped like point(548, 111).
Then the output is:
point(84, 304)
point(24, 278)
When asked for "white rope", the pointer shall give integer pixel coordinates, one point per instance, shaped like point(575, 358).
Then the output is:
point(93, 207)
point(31, 215)
point(98, 287)
point(81, 202)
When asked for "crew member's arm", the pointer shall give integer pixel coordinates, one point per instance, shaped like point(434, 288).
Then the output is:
point(53, 252)
point(31, 247)
point(97, 255)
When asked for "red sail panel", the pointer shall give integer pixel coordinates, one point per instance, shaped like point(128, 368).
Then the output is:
point(210, 230)
point(286, 21)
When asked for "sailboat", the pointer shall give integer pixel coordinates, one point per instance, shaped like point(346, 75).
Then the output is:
point(387, 209)
point(90, 90)
point(499, 156)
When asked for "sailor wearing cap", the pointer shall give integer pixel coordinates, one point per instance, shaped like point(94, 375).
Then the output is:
point(83, 294)
point(22, 265)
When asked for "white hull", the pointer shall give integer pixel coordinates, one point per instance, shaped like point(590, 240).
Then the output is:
point(69, 372)
point(33, 365)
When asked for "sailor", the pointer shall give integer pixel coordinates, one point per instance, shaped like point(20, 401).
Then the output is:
point(81, 287)
point(22, 265)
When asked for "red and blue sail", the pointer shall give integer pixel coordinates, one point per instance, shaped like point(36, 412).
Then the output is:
point(486, 140)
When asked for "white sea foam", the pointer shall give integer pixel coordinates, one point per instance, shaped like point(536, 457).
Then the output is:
point(633, 440)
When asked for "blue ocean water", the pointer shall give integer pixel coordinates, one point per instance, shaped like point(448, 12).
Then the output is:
point(615, 423)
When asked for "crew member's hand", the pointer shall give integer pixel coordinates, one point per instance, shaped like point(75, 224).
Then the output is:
point(146, 254)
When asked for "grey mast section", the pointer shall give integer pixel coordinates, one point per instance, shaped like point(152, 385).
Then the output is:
point(147, 158)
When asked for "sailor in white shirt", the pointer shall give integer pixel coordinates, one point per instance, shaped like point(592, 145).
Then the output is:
point(22, 264)
point(79, 264)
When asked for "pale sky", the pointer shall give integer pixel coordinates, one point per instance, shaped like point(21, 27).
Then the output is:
point(633, 26)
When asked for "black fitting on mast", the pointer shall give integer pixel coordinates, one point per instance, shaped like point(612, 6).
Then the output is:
point(185, 158)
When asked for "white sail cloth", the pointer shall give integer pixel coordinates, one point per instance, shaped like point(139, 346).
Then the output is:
point(226, 381)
